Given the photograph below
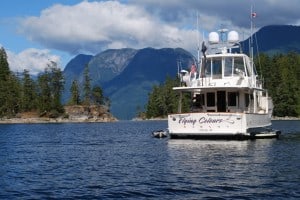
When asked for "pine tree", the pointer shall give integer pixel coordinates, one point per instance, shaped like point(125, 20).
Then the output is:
point(44, 93)
point(4, 67)
point(29, 95)
point(9, 88)
point(87, 86)
point(57, 87)
point(4, 84)
point(75, 94)
point(13, 97)
point(51, 85)
point(97, 95)
point(163, 100)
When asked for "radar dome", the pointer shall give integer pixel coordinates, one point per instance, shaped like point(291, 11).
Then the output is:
point(233, 37)
point(213, 38)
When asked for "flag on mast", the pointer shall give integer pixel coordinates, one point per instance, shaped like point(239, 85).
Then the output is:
point(253, 14)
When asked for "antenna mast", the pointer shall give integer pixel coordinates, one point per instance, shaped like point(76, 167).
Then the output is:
point(252, 15)
point(198, 38)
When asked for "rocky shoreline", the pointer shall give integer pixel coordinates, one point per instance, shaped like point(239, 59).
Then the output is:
point(73, 114)
point(54, 120)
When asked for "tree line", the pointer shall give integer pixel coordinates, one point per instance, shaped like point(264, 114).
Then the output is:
point(21, 93)
point(281, 74)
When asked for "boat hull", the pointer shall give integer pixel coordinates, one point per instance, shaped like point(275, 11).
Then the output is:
point(218, 125)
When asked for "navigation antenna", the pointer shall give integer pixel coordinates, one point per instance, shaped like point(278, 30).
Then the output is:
point(198, 38)
point(253, 15)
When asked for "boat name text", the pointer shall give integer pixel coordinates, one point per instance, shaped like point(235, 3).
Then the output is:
point(203, 120)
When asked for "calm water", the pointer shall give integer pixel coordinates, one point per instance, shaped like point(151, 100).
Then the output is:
point(122, 160)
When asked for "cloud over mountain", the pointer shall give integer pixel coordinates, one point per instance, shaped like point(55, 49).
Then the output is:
point(94, 26)
point(90, 27)
point(34, 60)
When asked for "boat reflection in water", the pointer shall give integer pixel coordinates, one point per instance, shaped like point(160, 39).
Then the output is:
point(214, 166)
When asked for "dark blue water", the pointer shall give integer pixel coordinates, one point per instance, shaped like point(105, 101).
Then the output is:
point(122, 160)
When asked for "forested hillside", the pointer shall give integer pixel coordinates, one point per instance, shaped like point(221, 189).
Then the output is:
point(280, 74)
point(19, 93)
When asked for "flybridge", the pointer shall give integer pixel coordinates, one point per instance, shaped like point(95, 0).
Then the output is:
point(221, 67)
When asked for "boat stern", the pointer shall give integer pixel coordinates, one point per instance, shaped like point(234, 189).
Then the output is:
point(206, 125)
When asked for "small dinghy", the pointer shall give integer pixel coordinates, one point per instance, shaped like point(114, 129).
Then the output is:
point(160, 134)
point(267, 133)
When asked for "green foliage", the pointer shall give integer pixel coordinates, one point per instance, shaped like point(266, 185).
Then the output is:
point(50, 88)
point(97, 95)
point(75, 94)
point(282, 79)
point(44, 94)
point(163, 100)
point(28, 93)
point(90, 96)
point(9, 88)
point(87, 86)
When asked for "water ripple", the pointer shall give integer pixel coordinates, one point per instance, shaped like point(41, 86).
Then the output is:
point(122, 160)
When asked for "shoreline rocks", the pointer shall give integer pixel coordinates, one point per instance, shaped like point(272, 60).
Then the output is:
point(73, 114)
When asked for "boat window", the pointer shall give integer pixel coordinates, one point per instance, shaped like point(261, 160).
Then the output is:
point(228, 66)
point(247, 100)
point(210, 99)
point(217, 68)
point(198, 101)
point(239, 68)
point(208, 68)
point(232, 98)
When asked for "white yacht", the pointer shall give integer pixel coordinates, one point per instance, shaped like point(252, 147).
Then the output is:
point(228, 100)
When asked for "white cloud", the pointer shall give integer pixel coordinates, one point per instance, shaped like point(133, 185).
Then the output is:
point(34, 60)
point(90, 27)
point(95, 26)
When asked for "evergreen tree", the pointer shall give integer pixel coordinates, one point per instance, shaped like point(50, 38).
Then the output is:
point(75, 94)
point(57, 87)
point(4, 67)
point(44, 93)
point(163, 100)
point(13, 97)
point(51, 85)
point(29, 95)
point(87, 86)
point(4, 82)
point(152, 109)
point(9, 88)
point(97, 95)
point(283, 84)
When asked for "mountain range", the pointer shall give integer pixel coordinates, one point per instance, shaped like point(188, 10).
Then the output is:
point(128, 75)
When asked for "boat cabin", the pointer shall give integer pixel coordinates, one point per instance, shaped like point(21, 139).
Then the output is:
point(226, 82)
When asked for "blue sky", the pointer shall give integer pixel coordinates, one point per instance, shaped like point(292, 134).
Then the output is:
point(36, 31)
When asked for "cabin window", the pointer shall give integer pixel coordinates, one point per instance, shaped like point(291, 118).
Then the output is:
point(211, 99)
point(232, 98)
point(239, 66)
point(198, 101)
point(228, 66)
point(208, 68)
point(247, 100)
point(217, 68)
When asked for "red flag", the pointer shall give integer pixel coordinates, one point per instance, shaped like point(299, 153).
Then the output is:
point(253, 15)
